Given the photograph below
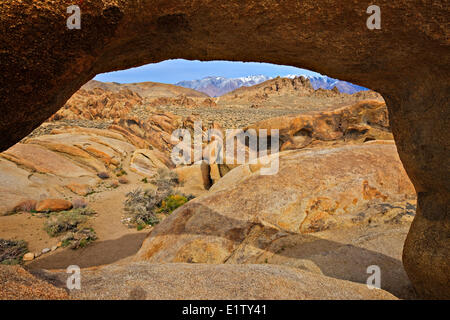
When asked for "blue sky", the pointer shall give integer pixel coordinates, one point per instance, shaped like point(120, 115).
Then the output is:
point(172, 71)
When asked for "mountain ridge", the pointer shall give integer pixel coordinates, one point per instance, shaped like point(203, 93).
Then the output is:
point(216, 86)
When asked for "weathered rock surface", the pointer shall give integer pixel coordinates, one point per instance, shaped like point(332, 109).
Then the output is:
point(357, 123)
point(65, 163)
point(146, 90)
point(142, 281)
point(146, 163)
point(251, 218)
point(18, 284)
point(98, 104)
point(155, 130)
point(297, 92)
point(38, 159)
point(317, 34)
point(195, 178)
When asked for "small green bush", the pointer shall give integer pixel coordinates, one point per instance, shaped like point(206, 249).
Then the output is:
point(121, 172)
point(64, 221)
point(12, 251)
point(79, 239)
point(138, 206)
point(165, 180)
point(142, 206)
point(171, 203)
point(65, 243)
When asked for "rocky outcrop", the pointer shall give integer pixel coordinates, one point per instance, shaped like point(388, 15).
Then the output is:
point(155, 130)
point(247, 217)
point(181, 101)
point(146, 163)
point(296, 93)
point(98, 104)
point(144, 281)
point(40, 74)
point(66, 163)
point(299, 86)
point(147, 90)
point(194, 179)
point(358, 123)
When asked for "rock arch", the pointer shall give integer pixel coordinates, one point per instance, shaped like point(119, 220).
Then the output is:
point(42, 64)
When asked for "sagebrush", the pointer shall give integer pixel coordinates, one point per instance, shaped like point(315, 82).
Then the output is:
point(12, 251)
point(142, 206)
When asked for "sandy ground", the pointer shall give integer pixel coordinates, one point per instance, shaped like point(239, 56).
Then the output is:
point(115, 242)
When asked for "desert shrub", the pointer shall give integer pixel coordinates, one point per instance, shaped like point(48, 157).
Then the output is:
point(25, 206)
point(140, 204)
point(143, 206)
point(64, 221)
point(87, 211)
point(120, 172)
point(140, 227)
point(79, 239)
point(172, 202)
point(166, 179)
point(12, 251)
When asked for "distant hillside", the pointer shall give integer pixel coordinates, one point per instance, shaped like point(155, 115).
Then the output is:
point(218, 86)
point(296, 92)
point(146, 89)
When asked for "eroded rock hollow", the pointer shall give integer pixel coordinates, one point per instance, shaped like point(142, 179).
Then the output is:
point(43, 63)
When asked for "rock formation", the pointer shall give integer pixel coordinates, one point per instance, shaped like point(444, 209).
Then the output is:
point(407, 61)
point(296, 92)
point(363, 121)
point(98, 104)
point(66, 163)
point(247, 217)
point(141, 281)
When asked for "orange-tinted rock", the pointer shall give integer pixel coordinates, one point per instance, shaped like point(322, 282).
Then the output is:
point(98, 104)
point(194, 178)
point(53, 205)
point(313, 190)
point(357, 123)
point(42, 160)
point(156, 130)
point(146, 162)
point(79, 189)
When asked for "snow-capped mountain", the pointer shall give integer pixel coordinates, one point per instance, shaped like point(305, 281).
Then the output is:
point(217, 86)
point(328, 83)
